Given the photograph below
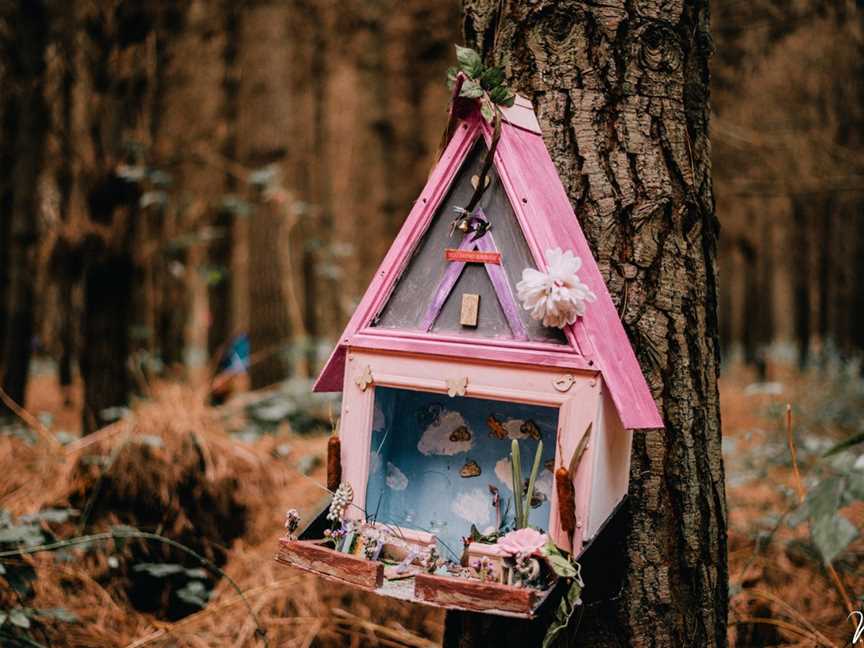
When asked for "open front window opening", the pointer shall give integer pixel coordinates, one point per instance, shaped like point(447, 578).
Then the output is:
point(437, 463)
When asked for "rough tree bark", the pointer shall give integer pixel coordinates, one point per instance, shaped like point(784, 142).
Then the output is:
point(621, 92)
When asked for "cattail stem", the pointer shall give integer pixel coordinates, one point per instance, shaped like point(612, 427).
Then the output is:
point(526, 508)
point(516, 468)
point(566, 500)
point(334, 463)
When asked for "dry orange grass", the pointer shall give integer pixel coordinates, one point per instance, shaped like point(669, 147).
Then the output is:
point(782, 596)
point(293, 608)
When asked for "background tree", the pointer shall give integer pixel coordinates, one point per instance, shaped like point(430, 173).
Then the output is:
point(263, 130)
point(24, 129)
point(621, 92)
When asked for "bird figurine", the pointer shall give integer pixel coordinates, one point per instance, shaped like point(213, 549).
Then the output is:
point(468, 223)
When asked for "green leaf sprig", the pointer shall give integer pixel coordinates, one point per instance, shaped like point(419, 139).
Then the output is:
point(482, 82)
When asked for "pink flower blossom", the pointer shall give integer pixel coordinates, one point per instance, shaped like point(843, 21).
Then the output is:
point(525, 541)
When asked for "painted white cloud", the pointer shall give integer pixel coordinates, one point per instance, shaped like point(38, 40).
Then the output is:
point(374, 461)
point(513, 427)
point(543, 483)
point(436, 438)
point(473, 506)
point(396, 479)
point(504, 473)
point(378, 420)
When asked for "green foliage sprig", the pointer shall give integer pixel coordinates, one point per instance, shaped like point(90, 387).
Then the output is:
point(523, 502)
point(564, 567)
point(483, 83)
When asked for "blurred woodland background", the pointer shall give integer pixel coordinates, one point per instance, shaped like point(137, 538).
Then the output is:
point(190, 189)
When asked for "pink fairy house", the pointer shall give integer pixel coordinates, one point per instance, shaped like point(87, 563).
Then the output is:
point(488, 321)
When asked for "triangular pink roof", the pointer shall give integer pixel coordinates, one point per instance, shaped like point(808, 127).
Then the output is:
point(597, 341)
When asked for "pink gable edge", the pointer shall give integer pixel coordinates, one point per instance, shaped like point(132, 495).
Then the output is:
point(532, 183)
point(527, 172)
point(400, 252)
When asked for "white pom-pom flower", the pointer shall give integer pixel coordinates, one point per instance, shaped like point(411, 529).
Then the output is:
point(556, 297)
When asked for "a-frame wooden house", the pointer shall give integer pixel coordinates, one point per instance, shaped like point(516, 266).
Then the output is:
point(441, 366)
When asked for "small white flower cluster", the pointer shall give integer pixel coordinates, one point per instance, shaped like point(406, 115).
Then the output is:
point(557, 296)
point(343, 496)
point(292, 522)
point(292, 519)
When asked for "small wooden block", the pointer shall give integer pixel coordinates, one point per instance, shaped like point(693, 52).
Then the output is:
point(474, 594)
point(310, 556)
point(470, 309)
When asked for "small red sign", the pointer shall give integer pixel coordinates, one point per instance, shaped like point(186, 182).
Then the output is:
point(472, 256)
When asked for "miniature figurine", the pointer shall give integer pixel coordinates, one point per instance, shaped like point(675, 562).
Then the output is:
point(483, 567)
point(403, 566)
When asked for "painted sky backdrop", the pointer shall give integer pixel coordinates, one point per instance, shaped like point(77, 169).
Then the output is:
point(423, 443)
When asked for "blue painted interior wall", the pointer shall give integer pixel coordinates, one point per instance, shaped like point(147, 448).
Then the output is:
point(421, 442)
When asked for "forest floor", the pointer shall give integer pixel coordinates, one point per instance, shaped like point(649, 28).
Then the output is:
point(202, 476)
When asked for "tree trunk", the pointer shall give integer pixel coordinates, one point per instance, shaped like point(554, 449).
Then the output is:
point(801, 280)
point(827, 294)
point(65, 276)
point(765, 305)
point(108, 289)
point(222, 325)
point(187, 149)
point(263, 133)
point(726, 305)
point(29, 123)
point(750, 331)
point(621, 93)
point(856, 312)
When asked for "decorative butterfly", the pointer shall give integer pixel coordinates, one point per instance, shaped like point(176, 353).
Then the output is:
point(456, 386)
point(470, 469)
point(430, 414)
point(529, 428)
point(496, 429)
point(461, 433)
